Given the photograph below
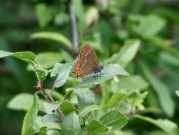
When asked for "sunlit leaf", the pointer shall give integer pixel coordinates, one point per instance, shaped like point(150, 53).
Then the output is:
point(177, 92)
point(25, 56)
point(62, 71)
point(126, 53)
point(30, 117)
point(21, 102)
point(5, 53)
point(48, 59)
point(52, 36)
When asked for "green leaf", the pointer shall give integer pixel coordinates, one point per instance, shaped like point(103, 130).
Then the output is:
point(62, 71)
point(51, 118)
point(21, 102)
point(143, 26)
point(89, 109)
point(169, 59)
point(25, 56)
point(85, 97)
point(30, 117)
point(43, 14)
point(169, 13)
point(177, 92)
point(48, 59)
point(164, 124)
point(42, 131)
point(41, 74)
point(49, 108)
point(162, 44)
point(95, 127)
point(136, 83)
point(126, 53)
point(117, 97)
point(71, 125)
point(91, 16)
point(108, 71)
point(67, 57)
point(162, 91)
point(136, 98)
point(114, 120)
point(67, 107)
point(5, 53)
point(52, 36)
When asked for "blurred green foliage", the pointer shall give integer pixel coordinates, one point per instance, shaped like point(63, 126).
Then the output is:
point(142, 36)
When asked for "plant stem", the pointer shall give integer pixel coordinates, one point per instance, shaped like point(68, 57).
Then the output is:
point(75, 36)
point(51, 100)
point(49, 96)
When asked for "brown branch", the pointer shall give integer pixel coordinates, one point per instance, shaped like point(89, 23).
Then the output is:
point(51, 100)
point(49, 96)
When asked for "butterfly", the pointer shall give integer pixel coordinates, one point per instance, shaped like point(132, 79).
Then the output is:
point(87, 63)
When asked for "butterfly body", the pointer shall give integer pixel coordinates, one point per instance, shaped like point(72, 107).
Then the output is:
point(87, 63)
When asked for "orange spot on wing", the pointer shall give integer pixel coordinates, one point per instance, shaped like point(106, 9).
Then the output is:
point(77, 69)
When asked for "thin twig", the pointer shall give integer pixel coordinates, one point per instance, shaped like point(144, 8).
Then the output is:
point(49, 96)
point(74, 28)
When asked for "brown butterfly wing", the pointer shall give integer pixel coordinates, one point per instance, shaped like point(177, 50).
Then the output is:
point(87, 63)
